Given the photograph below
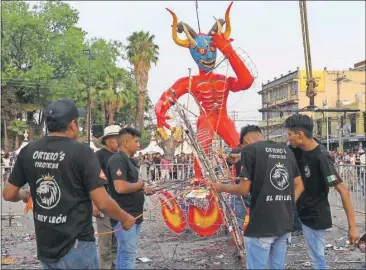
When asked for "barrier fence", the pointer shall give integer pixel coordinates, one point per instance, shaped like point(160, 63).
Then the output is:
point(354, 176)
point(161, 173)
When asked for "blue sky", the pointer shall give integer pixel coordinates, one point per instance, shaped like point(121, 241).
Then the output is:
point(269, 32)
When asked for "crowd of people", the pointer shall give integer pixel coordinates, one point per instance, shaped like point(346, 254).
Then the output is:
point(69, 184)
point(346, 158)
point(158, 167)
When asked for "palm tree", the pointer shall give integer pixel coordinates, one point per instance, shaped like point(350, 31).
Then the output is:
point(141, 53)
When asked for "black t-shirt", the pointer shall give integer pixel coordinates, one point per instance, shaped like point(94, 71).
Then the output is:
point(103, 156)
point(271, 167)
point(60, 172)
point(318, 174)
point(121, 167)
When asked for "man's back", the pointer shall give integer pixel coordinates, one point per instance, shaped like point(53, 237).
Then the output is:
point(272, 168)
point(60, 173)
point(313, 205)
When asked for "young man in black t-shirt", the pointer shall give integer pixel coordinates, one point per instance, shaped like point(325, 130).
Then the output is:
point(269, 172)
point(107, 243)
point(127, 189)
point(319, 174)
point(63, 178)
point(239, 207)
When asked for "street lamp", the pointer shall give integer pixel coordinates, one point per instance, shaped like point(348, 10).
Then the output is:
point(87, 52)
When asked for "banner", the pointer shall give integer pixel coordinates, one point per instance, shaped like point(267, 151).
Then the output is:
point(319, 78)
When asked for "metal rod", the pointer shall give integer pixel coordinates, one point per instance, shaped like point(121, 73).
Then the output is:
point(89, 110)
point(198, 19)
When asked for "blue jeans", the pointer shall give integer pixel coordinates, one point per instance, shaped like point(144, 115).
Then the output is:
point(83, 255)
point(315, 242)
point(266, 251)
point(240, 211)
point(127, 245)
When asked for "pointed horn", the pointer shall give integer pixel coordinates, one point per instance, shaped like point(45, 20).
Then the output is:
point(177, 40)
point(227, 20)
point(215, 26)
point(190, 38)
point(219, 26)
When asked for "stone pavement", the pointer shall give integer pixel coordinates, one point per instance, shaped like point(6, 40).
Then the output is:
point(161, 249)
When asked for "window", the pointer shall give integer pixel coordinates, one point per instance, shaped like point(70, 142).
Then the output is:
point(353, 123)
point(294, 89)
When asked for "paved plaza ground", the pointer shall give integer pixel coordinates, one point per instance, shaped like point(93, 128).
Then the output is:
point(163, 249)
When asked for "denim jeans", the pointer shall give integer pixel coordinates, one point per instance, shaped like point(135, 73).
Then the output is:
point(240, 211)
point(127, 244)
point(83, 255)
point(315, 242)
point(266, 251)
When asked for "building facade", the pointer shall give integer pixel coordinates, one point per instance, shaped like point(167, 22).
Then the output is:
point(289, 92)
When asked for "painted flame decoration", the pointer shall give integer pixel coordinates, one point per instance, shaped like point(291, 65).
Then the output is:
point(173, 215)
point(205, 222)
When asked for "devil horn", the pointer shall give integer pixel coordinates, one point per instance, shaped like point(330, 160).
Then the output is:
point(217, 27)
point(227, 20)
point(177, 40)
point(190, 38)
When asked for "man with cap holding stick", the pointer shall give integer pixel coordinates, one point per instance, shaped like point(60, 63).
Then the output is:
point(63, 176)
point(107, 244)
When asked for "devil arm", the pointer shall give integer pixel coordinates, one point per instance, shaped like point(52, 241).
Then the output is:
point(178, 89)
point(244, 78)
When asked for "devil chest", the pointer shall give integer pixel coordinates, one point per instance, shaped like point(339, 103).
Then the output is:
point(211, 91)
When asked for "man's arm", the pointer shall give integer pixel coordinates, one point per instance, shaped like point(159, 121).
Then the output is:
point(12, 190)
point(110, 208)
point(243, 188)
point(246, 174)
point(124, 187)
point(299, 187)
point(332, 179)
point(89, 171)
point(14, 193)
point(353, 233)
point(118, 169)
point(298, 183)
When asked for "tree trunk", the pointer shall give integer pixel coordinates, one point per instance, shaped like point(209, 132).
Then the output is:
point(31, 132)
point(6, 139)
point(17, 141)
point(141, 81)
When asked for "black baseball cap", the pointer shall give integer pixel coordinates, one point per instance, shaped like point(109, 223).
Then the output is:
point(63, 111)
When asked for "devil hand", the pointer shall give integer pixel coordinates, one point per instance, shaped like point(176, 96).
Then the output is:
point(221, 43)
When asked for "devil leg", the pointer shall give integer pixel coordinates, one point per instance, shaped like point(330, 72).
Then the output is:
point(204, 136)
point(227, 131)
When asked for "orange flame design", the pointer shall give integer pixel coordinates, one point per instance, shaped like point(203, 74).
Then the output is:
point(205, 222)
point(173, 215)
point(28, 206)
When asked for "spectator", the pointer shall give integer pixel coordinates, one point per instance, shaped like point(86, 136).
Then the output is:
point(62, 192)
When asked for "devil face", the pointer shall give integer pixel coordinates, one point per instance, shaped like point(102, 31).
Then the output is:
point(204, 54)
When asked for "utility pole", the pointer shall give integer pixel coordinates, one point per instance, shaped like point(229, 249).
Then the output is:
point(88, 118)
point(339, 79)
point(234, 115)
point(325, 103)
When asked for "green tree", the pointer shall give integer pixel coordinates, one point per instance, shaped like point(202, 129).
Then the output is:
point(141, 53)
point(18, 127)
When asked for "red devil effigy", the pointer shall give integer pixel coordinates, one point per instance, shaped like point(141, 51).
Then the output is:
point(209, 89)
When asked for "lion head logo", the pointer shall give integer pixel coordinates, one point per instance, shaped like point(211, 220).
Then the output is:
point(48, 192)
point(279, 177)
